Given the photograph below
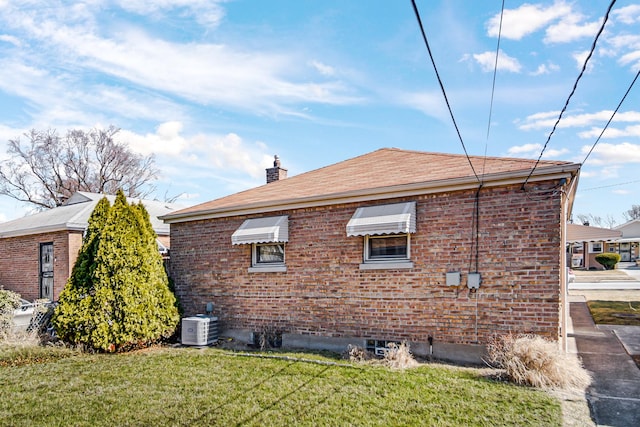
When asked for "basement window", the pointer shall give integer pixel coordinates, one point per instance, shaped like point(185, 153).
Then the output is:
point(380, 347)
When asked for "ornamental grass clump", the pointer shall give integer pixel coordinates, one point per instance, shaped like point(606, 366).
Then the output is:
point(534, 361)
point(398, 356)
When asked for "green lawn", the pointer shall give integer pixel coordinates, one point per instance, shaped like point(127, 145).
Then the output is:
point(615, 312)
point(207, 387)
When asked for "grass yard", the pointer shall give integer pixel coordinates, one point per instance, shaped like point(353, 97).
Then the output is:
point(206, 387)
point(615, 312)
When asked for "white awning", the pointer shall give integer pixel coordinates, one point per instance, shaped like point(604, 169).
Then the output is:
point(383, 219)
point(262, 230)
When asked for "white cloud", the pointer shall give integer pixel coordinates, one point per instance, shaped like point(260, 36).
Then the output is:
point(628, 14)
point(526, 149)
point(200, 152)
point(325, 70)
point(545, 69)
point(632, 58)
point(611, 132)
point(613, 154)
point(487, 61)
point(621, 192)
point(608, 172)
point(625, 41)
point(580, 57)
point(570, 29)
point(204, 73)
point(429, 103)
point(526, 19)
point(554, 153)
point(166, 140)
point(588, 174)
point(206, 12)
point(628, 47)
point(548, 119)
point(10, 39)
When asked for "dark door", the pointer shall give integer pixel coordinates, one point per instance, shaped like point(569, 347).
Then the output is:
point(625, 252)
point(46, 270)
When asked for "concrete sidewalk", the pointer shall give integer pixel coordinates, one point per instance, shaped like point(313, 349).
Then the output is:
point(614, 394)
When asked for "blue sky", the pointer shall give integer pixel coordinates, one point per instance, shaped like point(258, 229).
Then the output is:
point(215, 88)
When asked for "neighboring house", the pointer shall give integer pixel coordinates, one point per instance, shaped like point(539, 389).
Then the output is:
point(629, 245)
point(39, 251)
point(585, 242)
point(389, 246)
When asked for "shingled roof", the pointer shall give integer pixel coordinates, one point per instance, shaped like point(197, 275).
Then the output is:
point(384, 173)
point(75, 213)
point(584, 233)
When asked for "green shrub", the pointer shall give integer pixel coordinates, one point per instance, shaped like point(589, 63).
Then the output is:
point(119, 296)
point(9, 301)
point(608, 260)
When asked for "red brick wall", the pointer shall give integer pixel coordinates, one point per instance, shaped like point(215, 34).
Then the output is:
point(325, 293)
point(20, 263)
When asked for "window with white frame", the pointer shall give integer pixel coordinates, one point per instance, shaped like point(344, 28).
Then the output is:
point(386, 248)
point(267, 254)
point(595, 247)
point(386, 230)
point(267, 237)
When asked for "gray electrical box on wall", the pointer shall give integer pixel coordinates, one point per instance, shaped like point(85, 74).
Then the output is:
point(453, 278)
point(473, 280)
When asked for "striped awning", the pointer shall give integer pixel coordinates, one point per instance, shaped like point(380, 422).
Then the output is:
point(262, 230)
point(397, 218)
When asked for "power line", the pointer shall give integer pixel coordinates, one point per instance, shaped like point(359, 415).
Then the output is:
point(611, 185)
point(611, 118)
point(495, 71)
point(493, 89)
point(444, 93)
point(575, 86)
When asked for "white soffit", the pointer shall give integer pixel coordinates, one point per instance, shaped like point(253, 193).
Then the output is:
point(383, 219)
point(262, 230)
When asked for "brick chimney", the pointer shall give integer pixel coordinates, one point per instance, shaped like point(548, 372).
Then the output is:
point(276, 173)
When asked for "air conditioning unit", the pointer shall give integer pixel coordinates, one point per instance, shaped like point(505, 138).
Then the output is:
point(199, 330)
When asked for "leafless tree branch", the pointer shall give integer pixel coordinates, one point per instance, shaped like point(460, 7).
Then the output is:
point(47, 169)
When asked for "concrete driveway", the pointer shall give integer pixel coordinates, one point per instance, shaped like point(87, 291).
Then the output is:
point(605, 350)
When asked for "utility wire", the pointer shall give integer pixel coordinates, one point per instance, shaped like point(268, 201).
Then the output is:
point(575, 86)
point(444, 93)
point(611, 185)
point(493, 90)
point(495, 71)
point(611, 118)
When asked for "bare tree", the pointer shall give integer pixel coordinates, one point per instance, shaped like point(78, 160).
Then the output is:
point(590, 219)
point(47, 169)
point(610, 221)
point(633, 213)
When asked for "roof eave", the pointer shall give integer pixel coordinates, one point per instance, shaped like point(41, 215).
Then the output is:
point(568, 170)
point(42, 230)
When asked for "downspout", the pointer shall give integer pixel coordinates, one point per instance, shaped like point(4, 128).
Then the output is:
point(564, 286)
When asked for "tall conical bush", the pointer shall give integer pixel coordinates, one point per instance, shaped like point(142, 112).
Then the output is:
point(75, 300)
point(130, 304)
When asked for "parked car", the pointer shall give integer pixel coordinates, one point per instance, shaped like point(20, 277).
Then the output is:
point(571, 276)
point(22, 315)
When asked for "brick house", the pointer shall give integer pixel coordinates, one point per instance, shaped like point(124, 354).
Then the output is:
point(585, 242)
point(39, 251)
point(388, 246)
